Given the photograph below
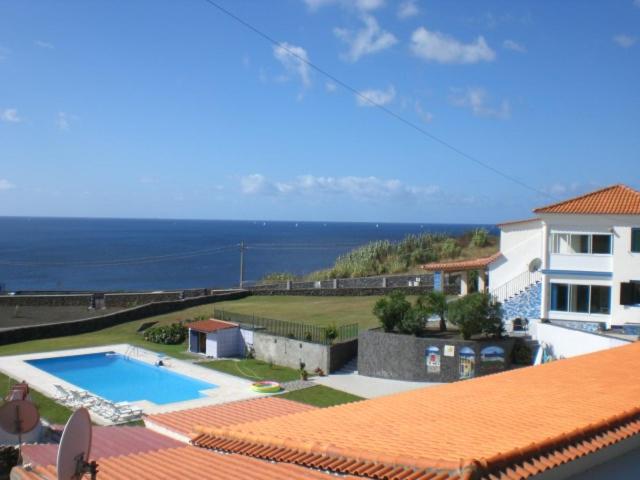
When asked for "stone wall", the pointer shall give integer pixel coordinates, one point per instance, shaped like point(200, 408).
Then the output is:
point(426, 359)
point(353, 292)
point(23, 334)
point(129, 300)
point(75, 300)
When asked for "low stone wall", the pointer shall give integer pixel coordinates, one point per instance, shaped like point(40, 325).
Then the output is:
point(74, 300)
point(23, 334)
point(426, 359)
point(289, 352)
point(352, 292)
point(130, 300)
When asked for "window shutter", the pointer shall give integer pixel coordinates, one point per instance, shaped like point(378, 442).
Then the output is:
point(626, 294)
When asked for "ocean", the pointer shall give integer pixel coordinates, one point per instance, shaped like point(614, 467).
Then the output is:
point(82, 254)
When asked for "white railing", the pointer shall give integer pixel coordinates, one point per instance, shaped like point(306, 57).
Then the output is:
point(515, 285)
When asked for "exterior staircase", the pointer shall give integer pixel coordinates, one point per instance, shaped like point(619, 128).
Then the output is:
point(521, 296)
point(350, 367)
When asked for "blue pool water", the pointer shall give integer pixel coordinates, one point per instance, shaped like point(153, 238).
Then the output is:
point(118, 378)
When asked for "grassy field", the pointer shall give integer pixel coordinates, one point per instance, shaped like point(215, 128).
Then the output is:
point(255, 370)
point(320, 396)
point(48, 408)
point(38, 315)
point(311, 310)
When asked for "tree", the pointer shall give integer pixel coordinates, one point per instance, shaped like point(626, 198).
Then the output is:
point(434, 303)
point(412, 322)
point(391, 309)
point(476, 314)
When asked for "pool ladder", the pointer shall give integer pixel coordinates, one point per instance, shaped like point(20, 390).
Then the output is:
point(131, 352)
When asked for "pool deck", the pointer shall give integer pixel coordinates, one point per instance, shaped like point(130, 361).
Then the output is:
point(229, 388)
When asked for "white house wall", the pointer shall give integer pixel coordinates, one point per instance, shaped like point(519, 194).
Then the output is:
point(519, 244)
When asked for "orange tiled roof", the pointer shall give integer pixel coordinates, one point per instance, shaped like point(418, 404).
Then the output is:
point(210, 325)
point(461, 265)
point(510, 425)
point(616, 199)
point(185, 421)
point(184, 463)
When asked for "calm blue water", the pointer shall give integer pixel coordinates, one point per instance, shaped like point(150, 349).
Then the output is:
point(116, 378)
point(98, 254)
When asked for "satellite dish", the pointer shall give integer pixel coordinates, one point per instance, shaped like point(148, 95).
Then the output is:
point(75, 447)
point(18, 417)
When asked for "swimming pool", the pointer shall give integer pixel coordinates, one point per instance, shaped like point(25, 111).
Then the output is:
point(119, 378)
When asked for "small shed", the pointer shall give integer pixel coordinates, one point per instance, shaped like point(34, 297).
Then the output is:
point(216, 338)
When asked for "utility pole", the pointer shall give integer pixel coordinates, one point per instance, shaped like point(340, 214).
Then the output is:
point(241, 263)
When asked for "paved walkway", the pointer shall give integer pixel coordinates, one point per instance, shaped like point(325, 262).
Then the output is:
point(368, 387)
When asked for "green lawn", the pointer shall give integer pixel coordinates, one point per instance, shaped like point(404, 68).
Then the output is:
point(48, 408)
point(255, 370)
point(311, 310)
point(321, 396)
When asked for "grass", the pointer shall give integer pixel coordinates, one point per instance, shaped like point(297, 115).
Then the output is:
point(321, 311)
point(49, 409)
point(255, 370)
point(321, 396)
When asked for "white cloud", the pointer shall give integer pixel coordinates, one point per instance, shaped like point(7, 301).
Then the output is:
point(514, 46)
point(365, 41)
point(41, 44)
point(10, 115)
point(63, 121)
point(373, 98)
point(294, 59)
point(6, 184)
point(475, 99)
point(443, 48)
point(426, 117)
point(361, 5)
point(625, 41)
point(359, 188)
point(407, 9)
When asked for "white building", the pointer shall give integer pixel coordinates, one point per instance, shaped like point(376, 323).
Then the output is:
point(219, 339)
point(577, 261)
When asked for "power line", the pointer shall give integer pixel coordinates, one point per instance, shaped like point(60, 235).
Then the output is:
point(381, 107)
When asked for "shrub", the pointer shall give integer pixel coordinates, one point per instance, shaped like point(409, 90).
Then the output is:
point(412, 322)
point(521, 353)
point(434, 303)
point(391, 309)
point(480, 237)
point(477, 314)
point(277, 277)
point(173, 334)
point(331, 332)
point(450, 248)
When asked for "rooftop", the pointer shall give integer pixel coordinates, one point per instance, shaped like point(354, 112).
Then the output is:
point(185, 421)
point(461, 265)
point(211, 325)
point(615, 200)
point(461, 429)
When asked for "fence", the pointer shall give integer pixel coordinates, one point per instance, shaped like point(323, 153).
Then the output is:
point(387, 281)
point(294, 330)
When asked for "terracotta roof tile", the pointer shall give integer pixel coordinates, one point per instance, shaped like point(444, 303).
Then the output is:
point(507, 425)
point(185, 421)
point(184, 463)
point(616, 199)
point(106, 442)
point(461, 265)
point(211, 325)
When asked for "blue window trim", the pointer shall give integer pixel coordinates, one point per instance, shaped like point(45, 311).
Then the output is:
point(579, 273)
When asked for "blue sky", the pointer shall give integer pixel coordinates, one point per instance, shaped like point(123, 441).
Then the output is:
point(171, 109)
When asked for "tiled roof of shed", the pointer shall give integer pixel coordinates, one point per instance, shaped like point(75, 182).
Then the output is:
point(211, 325)
point(184, 463)
point(461, 265)
point(616, 199)
point(185, 421)
point(510, 425)
point(106, 442)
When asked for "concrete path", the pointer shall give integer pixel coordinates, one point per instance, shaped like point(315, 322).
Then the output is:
point(368, 387)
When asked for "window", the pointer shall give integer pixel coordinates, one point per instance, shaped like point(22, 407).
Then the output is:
point(559, 297)
point(582, 298)
point(600, 299)
point(571, 243)
point(630, 293)
point(601, 244)
point(635, 240)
